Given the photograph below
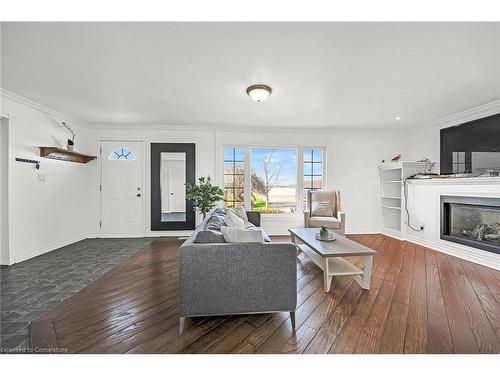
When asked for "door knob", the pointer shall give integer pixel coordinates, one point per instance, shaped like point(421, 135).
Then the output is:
point(139, 195)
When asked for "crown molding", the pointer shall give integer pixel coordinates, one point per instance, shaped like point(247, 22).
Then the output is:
point(473, 113)
point(229, 128)
point(40, 107)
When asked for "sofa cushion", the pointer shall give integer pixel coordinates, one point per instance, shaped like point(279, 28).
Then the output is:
point(209, 236)
point(233, 220)
point(324, 208)
point(239, 211)
point(329, 222)
point(232, 234)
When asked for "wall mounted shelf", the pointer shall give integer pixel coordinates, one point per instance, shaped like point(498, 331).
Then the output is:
point(65, 155)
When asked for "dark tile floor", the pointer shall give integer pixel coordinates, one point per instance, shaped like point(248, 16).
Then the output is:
point(31, 288)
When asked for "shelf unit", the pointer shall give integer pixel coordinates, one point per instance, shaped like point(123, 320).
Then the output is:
point(65, 155)
point(392, 176)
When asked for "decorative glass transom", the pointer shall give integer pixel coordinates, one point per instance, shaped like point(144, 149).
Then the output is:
point(122, 153)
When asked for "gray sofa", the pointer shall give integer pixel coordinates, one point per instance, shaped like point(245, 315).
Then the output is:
point(236, 278)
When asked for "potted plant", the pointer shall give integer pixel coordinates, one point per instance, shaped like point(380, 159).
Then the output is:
point(204, 195)
point(323, 233)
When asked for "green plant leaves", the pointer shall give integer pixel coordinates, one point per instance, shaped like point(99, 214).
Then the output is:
point(204, 195)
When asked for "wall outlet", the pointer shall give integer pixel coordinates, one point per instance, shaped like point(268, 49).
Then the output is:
point(40, 177)
point(421, 225)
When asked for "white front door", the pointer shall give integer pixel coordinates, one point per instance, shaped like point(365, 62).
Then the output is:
point(121, 189)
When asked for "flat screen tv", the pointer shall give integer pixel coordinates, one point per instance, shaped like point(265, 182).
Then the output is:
point(471, 148)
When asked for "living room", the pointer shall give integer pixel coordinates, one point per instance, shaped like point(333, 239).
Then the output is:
point(250, 187)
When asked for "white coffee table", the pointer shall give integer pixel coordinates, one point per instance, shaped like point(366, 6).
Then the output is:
point(329, 256)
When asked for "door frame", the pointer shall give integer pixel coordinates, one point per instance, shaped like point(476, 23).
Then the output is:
point(145, 188)
point(9, 119)
point(155, 202)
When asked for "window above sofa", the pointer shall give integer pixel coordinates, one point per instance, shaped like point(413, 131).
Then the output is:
point(272, 180)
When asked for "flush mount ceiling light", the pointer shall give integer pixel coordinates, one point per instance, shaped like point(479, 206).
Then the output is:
point(259, 93)
point(397, 118)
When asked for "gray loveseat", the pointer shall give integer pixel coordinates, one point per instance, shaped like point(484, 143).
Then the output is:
point(236, 278)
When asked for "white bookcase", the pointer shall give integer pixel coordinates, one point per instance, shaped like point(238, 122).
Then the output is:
point(392, 176)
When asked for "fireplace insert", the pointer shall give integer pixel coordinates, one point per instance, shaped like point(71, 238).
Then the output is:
point(471, 221)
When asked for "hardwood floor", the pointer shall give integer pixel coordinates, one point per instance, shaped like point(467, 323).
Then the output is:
point(420, 301)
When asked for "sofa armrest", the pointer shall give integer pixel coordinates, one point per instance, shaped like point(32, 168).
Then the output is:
point(254, 217)
point(231, 278)
point(307, 216)
point(341, 218)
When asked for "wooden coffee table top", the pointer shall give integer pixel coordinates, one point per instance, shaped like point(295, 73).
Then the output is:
point(342, 246)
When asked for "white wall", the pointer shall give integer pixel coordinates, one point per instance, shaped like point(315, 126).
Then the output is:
point(45, 215)
point(205, 144)
point(4, 228)
point(353, 159)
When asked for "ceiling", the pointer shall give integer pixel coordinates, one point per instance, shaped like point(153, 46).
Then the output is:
point(322, 74)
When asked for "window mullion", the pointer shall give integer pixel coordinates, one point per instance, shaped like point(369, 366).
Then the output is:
point(247, 201)
point(300, 179)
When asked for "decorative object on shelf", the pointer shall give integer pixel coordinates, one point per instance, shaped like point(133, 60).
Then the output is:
point(204, 195)
point(65, 155)
point(325, 235)
point(396, 158)
point(30, 161)
point(71, 142)
point(259, 93)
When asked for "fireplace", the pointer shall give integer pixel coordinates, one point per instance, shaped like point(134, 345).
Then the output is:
point(471, 221)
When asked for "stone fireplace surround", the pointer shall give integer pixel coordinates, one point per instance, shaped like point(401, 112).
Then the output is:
point(424, 204)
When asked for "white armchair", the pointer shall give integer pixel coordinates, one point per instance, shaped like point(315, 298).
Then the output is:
point(323, 209)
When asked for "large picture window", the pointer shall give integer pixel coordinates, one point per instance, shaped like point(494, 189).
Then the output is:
point(272, 180)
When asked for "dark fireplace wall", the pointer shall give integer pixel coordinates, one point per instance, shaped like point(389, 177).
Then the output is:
point(471, 221)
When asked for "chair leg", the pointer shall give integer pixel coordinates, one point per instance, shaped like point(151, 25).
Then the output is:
point(292, 319)
point(182, 325)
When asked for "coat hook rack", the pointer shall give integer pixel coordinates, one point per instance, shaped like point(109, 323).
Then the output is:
point(30, 161)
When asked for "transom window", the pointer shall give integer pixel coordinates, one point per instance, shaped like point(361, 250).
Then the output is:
point(122, 153)
point(268, 179)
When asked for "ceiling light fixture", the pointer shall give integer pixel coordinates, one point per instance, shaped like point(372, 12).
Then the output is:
point(397, 118)
point(259, 93)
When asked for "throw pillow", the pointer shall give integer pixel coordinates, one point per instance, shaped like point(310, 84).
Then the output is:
point(250, 226)
point(215, 222)
point(209, 236)
point(240, 211)
point(233, 220)
point(324, 208)
point(232, 234)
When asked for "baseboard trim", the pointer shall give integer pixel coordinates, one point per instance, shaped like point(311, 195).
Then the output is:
point(481, 257)
point(47, 248)
point(362, 231)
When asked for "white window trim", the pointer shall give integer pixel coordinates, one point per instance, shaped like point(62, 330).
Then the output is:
point(299, 176)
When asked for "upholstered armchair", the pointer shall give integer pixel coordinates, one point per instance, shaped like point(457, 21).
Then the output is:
point(323, 209)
